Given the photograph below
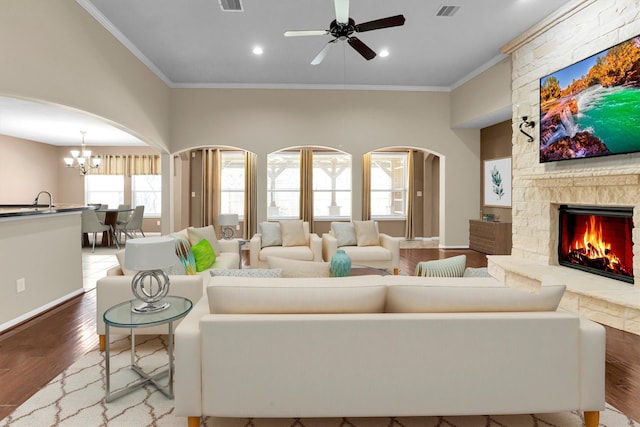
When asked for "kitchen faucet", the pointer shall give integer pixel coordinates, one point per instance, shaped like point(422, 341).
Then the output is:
point(35, 202)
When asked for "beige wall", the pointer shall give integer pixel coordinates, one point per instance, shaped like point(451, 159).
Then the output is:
point(53, 51)
point(264, 121)
point(45, 251)
point(87, 69)
point(483, 100)
point(26, 167)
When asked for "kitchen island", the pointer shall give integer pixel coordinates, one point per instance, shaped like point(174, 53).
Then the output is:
point(40, 259)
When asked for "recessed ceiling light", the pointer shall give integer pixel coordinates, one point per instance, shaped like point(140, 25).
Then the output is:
point(257, 50)
point(384, 53)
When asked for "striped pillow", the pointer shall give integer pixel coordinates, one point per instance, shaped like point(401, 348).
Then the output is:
point(448, 267)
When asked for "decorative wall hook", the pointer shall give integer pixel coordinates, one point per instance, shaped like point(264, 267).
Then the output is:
point(528, 124)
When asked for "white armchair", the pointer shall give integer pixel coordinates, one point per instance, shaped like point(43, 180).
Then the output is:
point(284, 239)
point(383, 253)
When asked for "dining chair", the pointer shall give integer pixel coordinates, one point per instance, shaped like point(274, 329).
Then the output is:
point(91, 224)
point(134, 223)
point(124, 214)
point(102, 215)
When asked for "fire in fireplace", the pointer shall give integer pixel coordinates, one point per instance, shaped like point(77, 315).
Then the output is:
point(597, 240)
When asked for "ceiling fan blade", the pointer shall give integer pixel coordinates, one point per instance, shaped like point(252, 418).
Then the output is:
point(319, 57)
point(301, 33)
point(362, 48)
point(342, 11)
point(391, 21)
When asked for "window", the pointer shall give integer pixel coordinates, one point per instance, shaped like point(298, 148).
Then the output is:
point(147, 190)
point(389, 185)
point(283, 185)
point(331, 184)
point(232, 183)
point(104, 189)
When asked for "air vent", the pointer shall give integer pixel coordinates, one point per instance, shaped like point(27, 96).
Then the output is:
point(231, 5)
point(447, 11)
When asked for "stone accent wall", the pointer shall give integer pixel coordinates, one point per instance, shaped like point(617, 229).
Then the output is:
point(587, 27)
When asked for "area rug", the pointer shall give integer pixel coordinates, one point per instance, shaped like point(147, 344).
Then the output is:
point(76, 398)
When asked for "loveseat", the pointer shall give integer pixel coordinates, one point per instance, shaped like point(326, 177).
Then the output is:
point(369, 346)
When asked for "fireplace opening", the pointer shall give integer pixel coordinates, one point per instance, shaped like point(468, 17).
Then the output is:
point(597, 240)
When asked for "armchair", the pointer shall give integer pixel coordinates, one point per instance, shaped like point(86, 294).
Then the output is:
point(279, 239)
point(382, 253)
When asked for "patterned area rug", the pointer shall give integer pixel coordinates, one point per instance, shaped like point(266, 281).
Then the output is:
point(76, 398)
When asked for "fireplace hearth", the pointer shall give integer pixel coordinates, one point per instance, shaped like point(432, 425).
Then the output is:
point(597, 240)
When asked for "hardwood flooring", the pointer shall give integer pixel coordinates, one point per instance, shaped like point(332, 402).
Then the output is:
point(34, 353)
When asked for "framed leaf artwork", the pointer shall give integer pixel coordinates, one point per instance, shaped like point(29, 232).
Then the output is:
point(497, 182)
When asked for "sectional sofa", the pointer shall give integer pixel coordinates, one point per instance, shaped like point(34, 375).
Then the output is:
point(370, 346)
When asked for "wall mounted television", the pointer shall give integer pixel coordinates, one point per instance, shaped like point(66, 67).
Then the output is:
point(592, 108)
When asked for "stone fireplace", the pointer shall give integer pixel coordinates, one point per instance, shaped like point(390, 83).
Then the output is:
point(578, 30)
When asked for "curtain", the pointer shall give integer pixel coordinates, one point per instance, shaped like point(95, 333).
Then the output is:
point(139, 164)
point(409, 232)
point(306, 186)
point(366, 186)
point(250, 226)
point(211, 166)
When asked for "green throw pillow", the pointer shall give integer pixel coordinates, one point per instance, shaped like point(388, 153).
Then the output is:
point(204, 254)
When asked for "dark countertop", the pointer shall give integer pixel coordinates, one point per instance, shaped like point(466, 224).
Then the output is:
point(7, 211)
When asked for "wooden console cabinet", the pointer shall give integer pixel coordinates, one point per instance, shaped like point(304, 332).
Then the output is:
point(493, 238)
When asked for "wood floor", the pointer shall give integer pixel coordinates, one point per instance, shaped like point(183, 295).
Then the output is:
point(35, 352)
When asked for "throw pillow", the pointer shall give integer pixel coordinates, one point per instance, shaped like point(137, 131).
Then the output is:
point(366, 233)
point(296, 268)
point(345, 233)
point(208, 232)
point(271, 235)
point(229, 295)
point(246, 272)
point(448, 267)
point(183, 251)
point(204, 255)
point(470, 299)
point(293, 233)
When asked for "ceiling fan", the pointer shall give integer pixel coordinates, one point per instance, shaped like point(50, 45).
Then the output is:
point(343, 27)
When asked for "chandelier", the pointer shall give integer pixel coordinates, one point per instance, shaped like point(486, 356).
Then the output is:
point(82, 159)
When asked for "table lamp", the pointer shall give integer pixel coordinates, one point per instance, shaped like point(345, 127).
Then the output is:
point(228, 223)
point(150, 285)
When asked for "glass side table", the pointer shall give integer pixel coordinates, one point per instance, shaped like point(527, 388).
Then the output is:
point(121, 316)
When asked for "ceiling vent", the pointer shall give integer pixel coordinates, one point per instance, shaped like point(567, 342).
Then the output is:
point(231, 5)
point(447, 11)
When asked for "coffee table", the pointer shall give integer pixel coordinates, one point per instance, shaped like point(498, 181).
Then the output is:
point(122, 316)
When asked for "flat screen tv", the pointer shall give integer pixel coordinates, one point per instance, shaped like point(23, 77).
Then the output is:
point(592, 108)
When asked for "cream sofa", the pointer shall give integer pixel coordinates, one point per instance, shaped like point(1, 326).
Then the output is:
point(116, 286)
point(370, 346)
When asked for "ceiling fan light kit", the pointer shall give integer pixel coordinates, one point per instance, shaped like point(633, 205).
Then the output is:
point(343, 27)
